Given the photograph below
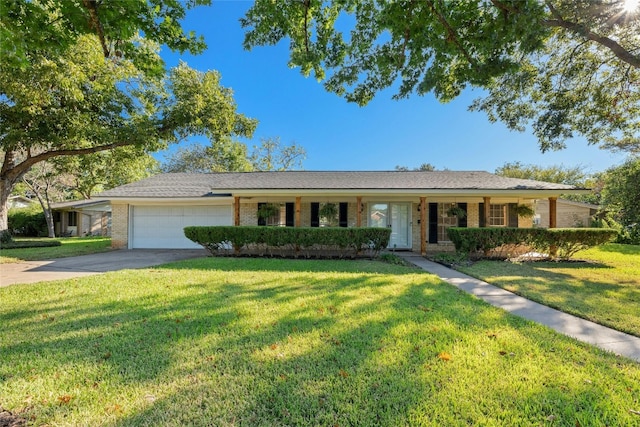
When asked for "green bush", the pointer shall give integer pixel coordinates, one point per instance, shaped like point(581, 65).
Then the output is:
point(560, 243)
point(23, 244)
point(290, 241)
point(28, 222)
point(5, 237)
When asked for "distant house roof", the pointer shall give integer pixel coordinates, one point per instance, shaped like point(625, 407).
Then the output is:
point(87, 204)
point(20, 201)
point(581, 204)
point(188, 185)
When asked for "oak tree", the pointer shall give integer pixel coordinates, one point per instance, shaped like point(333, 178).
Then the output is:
point(564, 67)
point(83, 102)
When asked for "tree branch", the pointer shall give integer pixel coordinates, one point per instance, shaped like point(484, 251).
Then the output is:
point(94, 22)
point(451, 34)
point(505, 7)
point(15, 172)
point(617, 49)
point(306, 25)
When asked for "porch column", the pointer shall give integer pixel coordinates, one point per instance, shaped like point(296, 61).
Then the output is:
point(487, 211)
point(552, 212)
point(298, 222)
point(236, 211)
point(423, 226)
point(359, 210)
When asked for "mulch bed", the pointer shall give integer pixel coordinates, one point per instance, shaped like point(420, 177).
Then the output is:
point(7, 419)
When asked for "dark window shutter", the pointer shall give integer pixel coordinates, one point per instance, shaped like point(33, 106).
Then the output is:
point(290, 214)
point(462, 222)
point(513, 215)
point(433, 223)
point(315, 214)
point(344, 215)
point(481, 218)
point(261, 221)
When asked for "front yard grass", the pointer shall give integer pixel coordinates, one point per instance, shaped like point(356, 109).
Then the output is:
point(605, 290)
point(282, 342)
point(71, 246)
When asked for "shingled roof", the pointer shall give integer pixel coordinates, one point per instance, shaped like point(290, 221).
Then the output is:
point(187, 185)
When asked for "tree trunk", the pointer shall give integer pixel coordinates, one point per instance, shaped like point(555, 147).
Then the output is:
point(5, 192)
point(46, 208)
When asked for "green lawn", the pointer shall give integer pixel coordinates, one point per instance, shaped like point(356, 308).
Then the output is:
point(282, 342)
point(71, 246)
point(605, 290)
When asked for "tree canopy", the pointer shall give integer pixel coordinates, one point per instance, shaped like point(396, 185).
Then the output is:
point(232, 156)
point(82, 102)
point(563, 67)
point(30, 27)
point(570, 175)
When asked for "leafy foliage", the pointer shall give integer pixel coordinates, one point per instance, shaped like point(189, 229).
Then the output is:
point(267, 210)
point(24, 244)
point(270, 155)
point(28, 26)
point(424, 167)
point(228, 155)
point(101, 104)
point(93, 173)
point(559, 174)
point(28, 221)
point(562, 243)
point(290, 241)
point(622, 191)
point(566, 68)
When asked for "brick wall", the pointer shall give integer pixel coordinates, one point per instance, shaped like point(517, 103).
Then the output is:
point(473, 215)
point(119, 225)
point(248, 214)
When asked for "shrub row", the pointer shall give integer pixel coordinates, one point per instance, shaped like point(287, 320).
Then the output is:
point(290, 241)
point(560, 243)
point(28, 222)
point(23, 244)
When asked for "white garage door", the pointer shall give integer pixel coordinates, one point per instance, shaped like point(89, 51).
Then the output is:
point(161, 227)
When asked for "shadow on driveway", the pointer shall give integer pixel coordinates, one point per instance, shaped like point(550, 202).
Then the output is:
point(85, 265)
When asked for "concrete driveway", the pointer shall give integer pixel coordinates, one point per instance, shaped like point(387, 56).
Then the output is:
point(86, 265)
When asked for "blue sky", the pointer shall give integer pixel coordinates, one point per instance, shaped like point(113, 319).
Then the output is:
point(342, 136)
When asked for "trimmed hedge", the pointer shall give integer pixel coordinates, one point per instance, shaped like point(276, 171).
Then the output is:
point(290, 241)
point(27, 222)
point(23, 244)
point(560, 243)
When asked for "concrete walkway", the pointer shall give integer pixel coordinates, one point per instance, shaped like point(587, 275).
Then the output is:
point(86, 265)
point(580, 329)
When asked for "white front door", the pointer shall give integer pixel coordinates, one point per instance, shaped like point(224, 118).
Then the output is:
point(396, 216)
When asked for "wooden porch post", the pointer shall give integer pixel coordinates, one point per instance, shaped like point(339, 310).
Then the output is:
point(553, 250)
point(359, 211)
point(298, 209)
point(487, 211)
point(236, 211)
point(423, 226)
point(552, 212)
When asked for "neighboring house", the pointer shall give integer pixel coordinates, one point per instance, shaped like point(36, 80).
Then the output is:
point(569, 213)
point(82, 218)
point(153, 212)
point(19, 202)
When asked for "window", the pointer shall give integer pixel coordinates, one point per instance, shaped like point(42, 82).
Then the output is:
point(497, 215)
point(275, 214)
point(328, 213)
point(445, 220)
point(73, 219)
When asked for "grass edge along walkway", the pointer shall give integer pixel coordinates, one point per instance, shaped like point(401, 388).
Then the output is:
point(583, 330)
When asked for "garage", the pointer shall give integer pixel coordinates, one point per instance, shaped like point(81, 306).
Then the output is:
point(161, 227)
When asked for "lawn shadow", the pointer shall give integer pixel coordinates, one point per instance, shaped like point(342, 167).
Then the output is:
point(305, 349)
